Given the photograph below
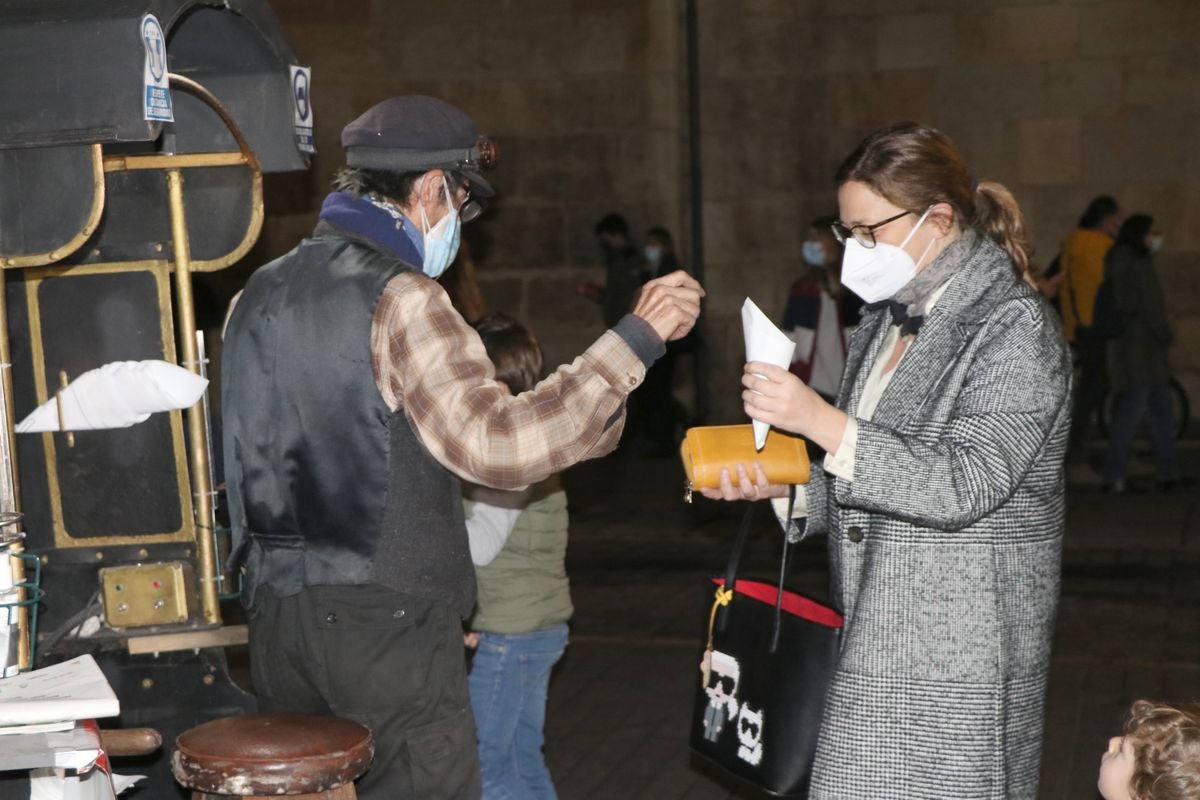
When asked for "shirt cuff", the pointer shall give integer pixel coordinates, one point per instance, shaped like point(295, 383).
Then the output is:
point(641, 338)
point(799, 508)
point(840, 464)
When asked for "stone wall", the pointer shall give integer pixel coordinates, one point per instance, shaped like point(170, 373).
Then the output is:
point(1059, 101)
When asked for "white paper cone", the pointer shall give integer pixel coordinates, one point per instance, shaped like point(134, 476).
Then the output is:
point(117, 395)
point(764, 342)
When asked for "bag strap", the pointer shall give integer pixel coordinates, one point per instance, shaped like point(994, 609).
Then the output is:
point(724, 593)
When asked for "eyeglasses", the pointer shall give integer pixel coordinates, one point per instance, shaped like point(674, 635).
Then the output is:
point(470, 208)
point(863, 234)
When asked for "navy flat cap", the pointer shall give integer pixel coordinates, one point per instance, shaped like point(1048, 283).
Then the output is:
point(415, 133)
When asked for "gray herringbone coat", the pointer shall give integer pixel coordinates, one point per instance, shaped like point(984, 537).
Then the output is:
point(945, 549)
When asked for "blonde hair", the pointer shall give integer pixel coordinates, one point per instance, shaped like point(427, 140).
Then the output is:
point(1165, 741)
point(915, 167)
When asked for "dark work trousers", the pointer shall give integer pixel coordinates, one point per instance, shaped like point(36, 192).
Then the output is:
point(387, 660)
point(1090, 390)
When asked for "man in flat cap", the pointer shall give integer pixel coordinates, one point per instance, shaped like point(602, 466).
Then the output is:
point(354, 399)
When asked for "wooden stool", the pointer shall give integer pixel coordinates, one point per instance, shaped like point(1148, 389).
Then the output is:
point(271, 755)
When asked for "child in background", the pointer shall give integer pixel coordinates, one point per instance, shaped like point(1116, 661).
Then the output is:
point(1158, 758)
point(518, 543)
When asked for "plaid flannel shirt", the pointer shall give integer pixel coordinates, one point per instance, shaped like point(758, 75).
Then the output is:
point(429, 362)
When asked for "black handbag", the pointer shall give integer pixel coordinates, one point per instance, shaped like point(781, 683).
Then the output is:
point(765, 671)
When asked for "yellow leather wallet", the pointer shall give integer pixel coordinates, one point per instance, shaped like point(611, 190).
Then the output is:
point(708, 450)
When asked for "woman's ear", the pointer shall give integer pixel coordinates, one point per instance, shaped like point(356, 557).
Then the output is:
point(942, 217)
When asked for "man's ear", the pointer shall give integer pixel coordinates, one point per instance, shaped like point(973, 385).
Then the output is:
point(429, 188)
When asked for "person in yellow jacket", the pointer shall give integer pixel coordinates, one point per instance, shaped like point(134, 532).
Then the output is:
point(1082, 260)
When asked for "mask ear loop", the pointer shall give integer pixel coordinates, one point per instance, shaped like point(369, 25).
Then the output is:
point(425, 226)
point(921, 221)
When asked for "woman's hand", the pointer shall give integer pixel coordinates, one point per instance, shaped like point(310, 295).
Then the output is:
point(744, 489)
point(777, 397)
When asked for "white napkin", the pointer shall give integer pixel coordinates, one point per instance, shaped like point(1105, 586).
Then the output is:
point(118, 395)
point(764, 342)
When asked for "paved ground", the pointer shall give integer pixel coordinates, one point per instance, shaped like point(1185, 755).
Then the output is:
point(619, 711)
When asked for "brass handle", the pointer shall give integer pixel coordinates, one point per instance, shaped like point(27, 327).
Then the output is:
point(62, 418)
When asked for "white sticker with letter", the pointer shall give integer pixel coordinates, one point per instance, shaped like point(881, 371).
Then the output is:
point(302, 107)
point(156, 92)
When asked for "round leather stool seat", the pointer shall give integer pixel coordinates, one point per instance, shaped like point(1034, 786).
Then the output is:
point(272, 755)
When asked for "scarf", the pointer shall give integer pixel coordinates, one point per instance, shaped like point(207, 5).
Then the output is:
point(908, 305)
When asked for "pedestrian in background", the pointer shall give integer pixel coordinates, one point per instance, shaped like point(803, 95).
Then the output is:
point(1138, 372)
point(1082, 264)
point(819, 314)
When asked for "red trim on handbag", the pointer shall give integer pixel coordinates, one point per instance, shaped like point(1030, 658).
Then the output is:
point(793, 603)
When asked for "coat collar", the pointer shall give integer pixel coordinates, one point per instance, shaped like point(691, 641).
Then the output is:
point(982, 283)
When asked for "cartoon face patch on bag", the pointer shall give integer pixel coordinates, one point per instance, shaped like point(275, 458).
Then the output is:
point(721, 674)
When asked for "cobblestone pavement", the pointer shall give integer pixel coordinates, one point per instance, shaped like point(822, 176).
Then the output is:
point(620, 701)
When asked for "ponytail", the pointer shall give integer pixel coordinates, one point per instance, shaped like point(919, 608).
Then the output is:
point(915, 167)
point(998, 215)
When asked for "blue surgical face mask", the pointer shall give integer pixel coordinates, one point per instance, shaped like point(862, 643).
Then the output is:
point(813, 252)
point(653, 254)
point(441, 240)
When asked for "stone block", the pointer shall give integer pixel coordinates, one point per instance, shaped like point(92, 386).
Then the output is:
point(605, 102)
point(873, 99)
point(914, 40)
point(1103, 151)
point(848, 44)
point(648, 164)
point(321, 14)
point(564, 321)
point(761, 162)
point(1005, 34)
point(776, 103)
point(566, 168)
point(1162, 80)
point(765, 45)
point(522, 105)
point(1049, 150)
point(1159, 144)
point(1078, 86)
point(1141, 27)
point(504, 295)
point(974, 93)
point(525, 236)
point(989, 148)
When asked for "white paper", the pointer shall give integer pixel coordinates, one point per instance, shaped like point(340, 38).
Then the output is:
point(764, 342)
point(74, 689)
point(118, 395)
point(77, 748)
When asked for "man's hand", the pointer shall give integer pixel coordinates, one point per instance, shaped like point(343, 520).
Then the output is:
point(670, 304)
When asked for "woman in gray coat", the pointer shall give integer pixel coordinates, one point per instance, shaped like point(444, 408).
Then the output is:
point(943, 491)
point(1137, 354)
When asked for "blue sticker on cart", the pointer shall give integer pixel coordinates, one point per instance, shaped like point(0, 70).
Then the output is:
point(302, 108)
point(156, 93)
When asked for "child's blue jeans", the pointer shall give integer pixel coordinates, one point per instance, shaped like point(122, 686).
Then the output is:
point(508, 682)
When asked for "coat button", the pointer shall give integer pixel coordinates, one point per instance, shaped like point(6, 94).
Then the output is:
point(854, 534)
point(331, 618)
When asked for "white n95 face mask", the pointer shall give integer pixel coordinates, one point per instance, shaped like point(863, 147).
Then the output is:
point(879, 272)
point(441, 241)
